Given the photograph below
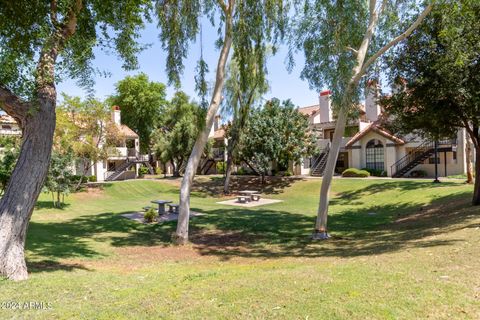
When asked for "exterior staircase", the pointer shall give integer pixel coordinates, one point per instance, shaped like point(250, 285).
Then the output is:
point(128, 164)
point(318, 163)
point(418, 155)
point(205, 166)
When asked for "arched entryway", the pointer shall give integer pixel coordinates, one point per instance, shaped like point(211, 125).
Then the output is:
point(375, 155)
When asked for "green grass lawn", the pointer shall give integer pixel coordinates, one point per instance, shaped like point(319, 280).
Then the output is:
point(402, 249)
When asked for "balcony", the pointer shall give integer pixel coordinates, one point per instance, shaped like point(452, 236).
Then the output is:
point(322, 143)
point(218, 153)
point(121, 152)
point(10, 132)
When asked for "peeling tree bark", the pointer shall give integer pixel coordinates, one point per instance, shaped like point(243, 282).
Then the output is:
point(181, 234)
point(469, 163)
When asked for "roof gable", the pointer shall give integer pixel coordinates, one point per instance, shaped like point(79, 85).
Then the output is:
point(374, 127)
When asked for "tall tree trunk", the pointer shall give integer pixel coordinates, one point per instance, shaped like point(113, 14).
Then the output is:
point(476, 187)
point(17, 204)
point(181, 234)
point(322, 214)
point(469, 162)
point(358, 71)
point(37, 121)
point(228, 173)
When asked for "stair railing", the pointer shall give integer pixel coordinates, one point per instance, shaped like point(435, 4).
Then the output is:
point(318, 161)
point(411, 156)
point(418, 152)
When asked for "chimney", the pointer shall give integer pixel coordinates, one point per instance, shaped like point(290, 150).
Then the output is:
point(216, 124)
point(116, 118)
point(325, 106)
point(372, 108)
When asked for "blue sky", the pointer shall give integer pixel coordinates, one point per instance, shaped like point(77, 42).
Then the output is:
point(283, 84)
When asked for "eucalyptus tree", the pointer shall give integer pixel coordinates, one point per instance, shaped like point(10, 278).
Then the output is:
point(41, 42)
point(240, 95)
point(342, 41)
point(248, 25)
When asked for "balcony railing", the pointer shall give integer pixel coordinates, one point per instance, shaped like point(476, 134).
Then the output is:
point(122, 152)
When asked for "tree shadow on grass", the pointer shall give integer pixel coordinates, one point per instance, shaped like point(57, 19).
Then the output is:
point(213, 187)
point(276, 234)
point(263, 233)
point(50, 205)
point(52, 265)
point(77, 238)
point(348, 197)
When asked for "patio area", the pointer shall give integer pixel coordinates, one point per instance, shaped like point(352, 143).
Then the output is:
point(249, 204)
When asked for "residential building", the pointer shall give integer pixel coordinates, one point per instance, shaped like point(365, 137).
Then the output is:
point(124, 159)
point(368, 144)
point(8, 126)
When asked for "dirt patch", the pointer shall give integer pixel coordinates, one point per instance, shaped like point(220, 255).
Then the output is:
point(90, 192)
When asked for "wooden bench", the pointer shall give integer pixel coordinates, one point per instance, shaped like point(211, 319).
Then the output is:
point(256, 196)
point(243, 199)
point(172, 207)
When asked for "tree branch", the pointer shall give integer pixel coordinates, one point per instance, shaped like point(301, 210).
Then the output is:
point(13, 105)
point(401, 37)
point(70, 23)
point(222, 5)
point(355, 52)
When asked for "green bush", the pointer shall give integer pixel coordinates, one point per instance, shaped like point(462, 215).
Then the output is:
point(355, 173)
point(241, 171)
point(142, 171)
point(158, 170)
point(76, 178)
point(92, 178)
point(287, 173)
point(418, 173)
point(221, 167)
point(150, 215)
point(376, 172)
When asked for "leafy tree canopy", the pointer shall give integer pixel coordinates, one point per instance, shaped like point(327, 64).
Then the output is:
point(142, 102)
point(330, 33)
point(276, 132)
point(174, 139)
point(436, 73)
point(29, 29)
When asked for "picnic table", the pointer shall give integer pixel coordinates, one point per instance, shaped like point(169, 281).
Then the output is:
point(161, 205)
point(248, 193)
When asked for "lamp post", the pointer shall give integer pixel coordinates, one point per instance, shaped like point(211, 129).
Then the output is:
point(436, 162)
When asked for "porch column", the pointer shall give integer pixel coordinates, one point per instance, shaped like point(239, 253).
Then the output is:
point(390, 157)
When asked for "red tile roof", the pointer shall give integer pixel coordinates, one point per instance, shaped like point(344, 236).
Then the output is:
point(375, 127)
point(219, 134)
point(126, 131)
point(310, 110)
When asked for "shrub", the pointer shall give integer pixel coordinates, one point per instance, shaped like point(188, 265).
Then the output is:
point(76, 178)
point(287, 173)
point(158, 170)
point(418, 174)
point(355, 173)
point(92, 178)
point(221, 167)
point(150, 215)
point(142, 171)
point(376, 172)
point(241, 171)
